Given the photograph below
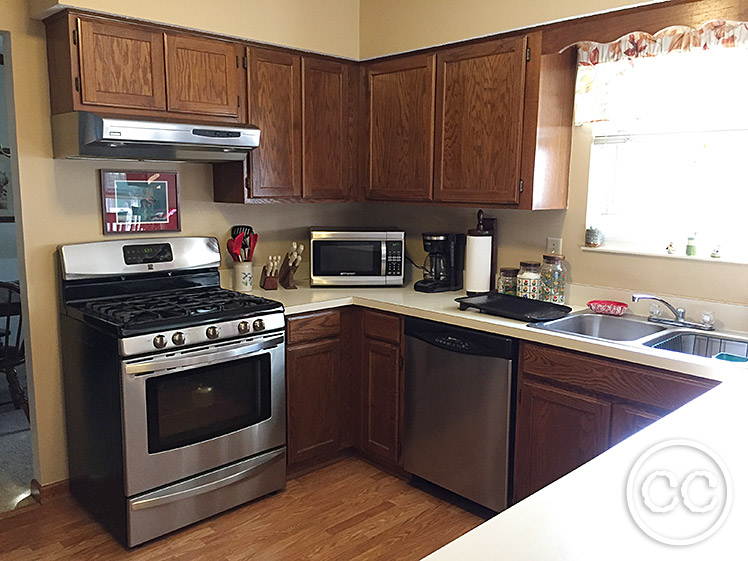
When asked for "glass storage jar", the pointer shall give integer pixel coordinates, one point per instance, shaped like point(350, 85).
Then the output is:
point(528, 280)
point(508, 280)
point(553, 279)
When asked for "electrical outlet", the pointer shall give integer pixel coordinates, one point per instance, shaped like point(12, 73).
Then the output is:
point(553, 245)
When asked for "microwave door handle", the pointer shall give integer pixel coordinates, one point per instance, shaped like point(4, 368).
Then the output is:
point(384, 259)
point(159, 365)
point(205, 488)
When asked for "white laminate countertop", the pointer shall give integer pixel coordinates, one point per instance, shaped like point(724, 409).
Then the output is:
point(442, 307)
point(585, 514)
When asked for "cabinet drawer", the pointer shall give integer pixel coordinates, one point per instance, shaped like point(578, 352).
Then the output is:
point(651, 386)
point(311, 327)
point(382, 326)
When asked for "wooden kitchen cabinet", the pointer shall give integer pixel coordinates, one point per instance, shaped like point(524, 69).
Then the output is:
point(557, 431)
point(400, 128)
point(572, 406)
point(123, 68)
point(313, 386)
point(382, 387)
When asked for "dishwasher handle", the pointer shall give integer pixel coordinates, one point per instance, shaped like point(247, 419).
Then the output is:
point(460, 340)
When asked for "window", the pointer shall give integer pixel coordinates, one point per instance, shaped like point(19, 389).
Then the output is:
point(669, 154)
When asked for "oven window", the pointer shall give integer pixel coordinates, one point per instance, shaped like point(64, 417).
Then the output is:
point(196, 405)
point(360, 258)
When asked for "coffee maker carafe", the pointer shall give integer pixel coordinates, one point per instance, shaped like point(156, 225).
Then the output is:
point(445, 260)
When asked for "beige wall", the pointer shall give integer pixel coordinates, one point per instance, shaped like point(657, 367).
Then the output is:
point(59, 200)
point(394, 26)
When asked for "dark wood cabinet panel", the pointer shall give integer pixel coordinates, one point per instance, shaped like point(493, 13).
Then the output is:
point(557, 431)
point(479, 112)
point(628, 419)
point(313, 400)
point(326, 164)
point(382, 398)
point(400, 107)
point(310, 327)
point(121, 65)
point(275, 106)
point(203, 76)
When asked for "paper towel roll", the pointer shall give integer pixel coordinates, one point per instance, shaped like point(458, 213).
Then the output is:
point(478, 264)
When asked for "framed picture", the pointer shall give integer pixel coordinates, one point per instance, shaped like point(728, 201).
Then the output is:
point(6, 192)
point(139, 201)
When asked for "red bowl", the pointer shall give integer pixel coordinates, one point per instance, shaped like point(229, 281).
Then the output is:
point(607, 307)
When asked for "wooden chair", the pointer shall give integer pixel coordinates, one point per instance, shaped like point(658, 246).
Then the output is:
point(11, 342)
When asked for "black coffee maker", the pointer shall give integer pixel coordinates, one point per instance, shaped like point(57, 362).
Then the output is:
point(444, 264)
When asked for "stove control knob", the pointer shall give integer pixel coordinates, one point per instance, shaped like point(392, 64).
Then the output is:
point(258, 325)
point(178, 338)
point(212, 332)
point(243, 327)
point(159, 341)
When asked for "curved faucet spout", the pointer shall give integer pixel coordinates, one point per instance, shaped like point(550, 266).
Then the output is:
point(679, 313)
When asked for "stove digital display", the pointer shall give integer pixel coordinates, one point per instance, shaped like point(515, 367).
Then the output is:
point(151, 253)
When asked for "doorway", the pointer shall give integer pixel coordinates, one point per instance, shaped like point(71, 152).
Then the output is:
point(16, 461)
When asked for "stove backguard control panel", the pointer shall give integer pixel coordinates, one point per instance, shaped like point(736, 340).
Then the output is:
point(147, 253)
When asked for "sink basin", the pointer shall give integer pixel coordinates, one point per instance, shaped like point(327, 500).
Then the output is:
point(701, 344)
point(609, 328)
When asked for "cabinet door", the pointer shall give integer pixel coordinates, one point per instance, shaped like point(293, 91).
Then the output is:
point(326, 143)
point(400, 98)
point(381, 399)
point(203, 76)
point(479, 115)
point(275, 107)
point(627, 420)
point(557, 431)
point(313, 399)
point(121, 65)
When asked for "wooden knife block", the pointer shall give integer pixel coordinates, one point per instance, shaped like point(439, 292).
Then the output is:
point(285, 276)
point(267, 282)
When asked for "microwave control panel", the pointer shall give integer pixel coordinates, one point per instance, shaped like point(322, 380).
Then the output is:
point(394, 258)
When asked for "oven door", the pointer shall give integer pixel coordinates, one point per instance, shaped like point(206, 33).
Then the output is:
point(191, 411)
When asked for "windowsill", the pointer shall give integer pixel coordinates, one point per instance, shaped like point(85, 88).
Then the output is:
point(663, 255)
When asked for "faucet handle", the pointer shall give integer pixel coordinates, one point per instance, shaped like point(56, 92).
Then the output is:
point(655, 310)
point(707, 318)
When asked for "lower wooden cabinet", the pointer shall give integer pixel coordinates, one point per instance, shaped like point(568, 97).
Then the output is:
point(313, 400)
point(573, 406)
point(557, 431)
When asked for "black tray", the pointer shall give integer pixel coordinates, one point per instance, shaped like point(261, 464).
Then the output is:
point(513, 307)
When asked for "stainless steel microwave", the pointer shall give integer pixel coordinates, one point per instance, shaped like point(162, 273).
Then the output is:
point(357, 257)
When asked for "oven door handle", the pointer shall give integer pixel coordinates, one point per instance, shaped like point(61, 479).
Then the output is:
point(153, 502)
point(210, 356)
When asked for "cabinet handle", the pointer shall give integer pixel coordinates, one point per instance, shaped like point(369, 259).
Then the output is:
point(75, 37)
point(77, 84)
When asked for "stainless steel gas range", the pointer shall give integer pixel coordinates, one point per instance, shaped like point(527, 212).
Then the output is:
point(174, 387)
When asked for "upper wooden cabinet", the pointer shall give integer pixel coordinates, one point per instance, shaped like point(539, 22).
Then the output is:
point(486, 123)
point(275, 107)
point(400, 105)
point(479, 111)
point(121, 65)
point(204, 76)
point(113, 67)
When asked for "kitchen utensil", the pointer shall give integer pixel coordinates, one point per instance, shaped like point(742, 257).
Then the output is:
point(246, 230)
point(238, 245)
point(230, 248)
point(252, 244)
point(607, 307)
point(514, 307)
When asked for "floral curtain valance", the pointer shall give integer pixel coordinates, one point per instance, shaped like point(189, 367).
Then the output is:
point(627, 83)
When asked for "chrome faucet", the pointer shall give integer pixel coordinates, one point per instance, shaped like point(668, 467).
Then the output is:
point(679, 313)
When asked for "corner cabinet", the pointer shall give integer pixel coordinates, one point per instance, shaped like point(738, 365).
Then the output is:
point(130, 69)
point(485, 123)
point(573, 406)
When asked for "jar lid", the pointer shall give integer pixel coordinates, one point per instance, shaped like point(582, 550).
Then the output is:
point(509, 271)
point(553, 257)
point(529, 264)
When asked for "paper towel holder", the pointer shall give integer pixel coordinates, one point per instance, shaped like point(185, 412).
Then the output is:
point(487, 227)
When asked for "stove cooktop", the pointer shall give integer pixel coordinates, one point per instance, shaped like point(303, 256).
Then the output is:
point(171, 309)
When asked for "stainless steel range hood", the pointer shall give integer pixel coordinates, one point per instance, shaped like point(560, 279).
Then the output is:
point(83, 135)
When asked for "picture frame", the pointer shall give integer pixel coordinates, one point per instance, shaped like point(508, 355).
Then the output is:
point(134, 201)
point(6, 189)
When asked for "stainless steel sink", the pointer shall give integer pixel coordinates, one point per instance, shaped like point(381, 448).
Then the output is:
point(609, 328)
point(701, 344)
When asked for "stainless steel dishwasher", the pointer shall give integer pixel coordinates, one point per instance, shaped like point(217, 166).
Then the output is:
point(458, 387)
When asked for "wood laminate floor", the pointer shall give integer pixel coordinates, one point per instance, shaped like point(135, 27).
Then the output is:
point(349, 511)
